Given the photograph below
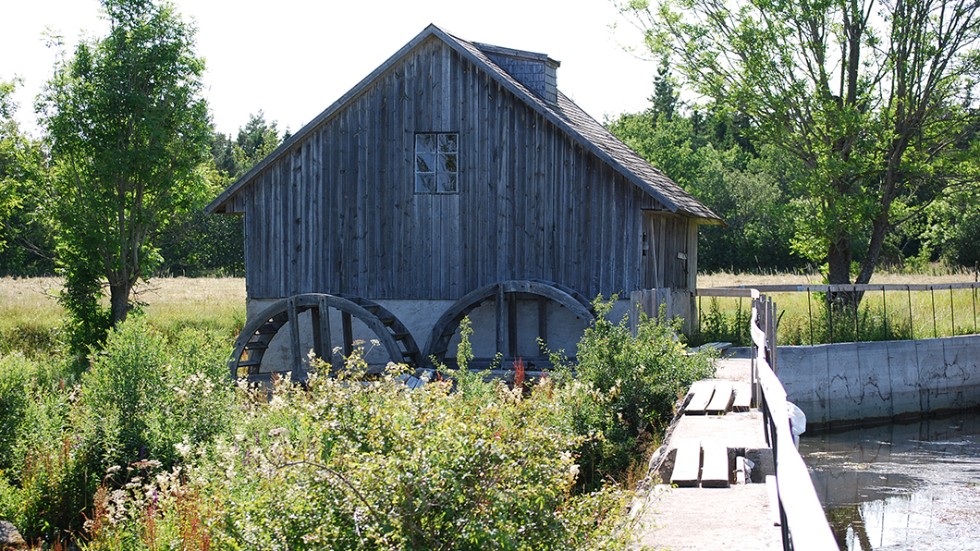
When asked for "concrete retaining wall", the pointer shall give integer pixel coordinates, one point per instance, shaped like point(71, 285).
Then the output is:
point(840, 384)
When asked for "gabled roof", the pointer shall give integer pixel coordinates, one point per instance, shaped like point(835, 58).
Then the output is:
point(566, 115)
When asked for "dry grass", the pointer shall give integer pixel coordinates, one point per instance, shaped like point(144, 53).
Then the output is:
point(31, 301)
point(30, 314)
point(919, 314)
point(219, 299)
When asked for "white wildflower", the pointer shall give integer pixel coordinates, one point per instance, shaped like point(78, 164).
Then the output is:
point(183, 449)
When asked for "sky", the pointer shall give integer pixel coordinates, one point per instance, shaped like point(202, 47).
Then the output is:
point(291, 59)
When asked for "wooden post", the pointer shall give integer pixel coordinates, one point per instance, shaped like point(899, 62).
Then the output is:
point(298, 365)
point(321, 332)
point(345, 321)
point(501, 320)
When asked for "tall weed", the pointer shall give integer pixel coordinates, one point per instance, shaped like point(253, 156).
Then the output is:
point(157, 450)
point(345, 465)
point(144, 395)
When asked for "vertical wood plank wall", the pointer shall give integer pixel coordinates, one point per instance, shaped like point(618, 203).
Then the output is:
point(670, 252)
point(339, 213)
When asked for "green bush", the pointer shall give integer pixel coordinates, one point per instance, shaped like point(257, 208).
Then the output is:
point(143, 398)
point(30, 338)
point(153, 449)
point(342, 464)
point(41, 474)
point(144, 395)
point(716, 325)
point(630, 382)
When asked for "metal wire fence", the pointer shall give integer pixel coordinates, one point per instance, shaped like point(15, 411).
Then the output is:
point(820, 314)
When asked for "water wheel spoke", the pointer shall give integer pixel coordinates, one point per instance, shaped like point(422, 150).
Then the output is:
point(507, 296)
point(258, 334)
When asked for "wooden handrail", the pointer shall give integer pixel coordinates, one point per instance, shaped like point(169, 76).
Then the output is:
point(799, 505)
point(735, 292)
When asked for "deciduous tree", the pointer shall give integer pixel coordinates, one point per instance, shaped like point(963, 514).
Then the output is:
point(872, 97)
point(129, 132)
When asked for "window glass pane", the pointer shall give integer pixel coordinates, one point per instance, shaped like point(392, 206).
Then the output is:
point(448, 143)
point(436, 162)
point(447, 163)
point(425, 142)
point(425, 183)
point(447, 183)
point(425, 162)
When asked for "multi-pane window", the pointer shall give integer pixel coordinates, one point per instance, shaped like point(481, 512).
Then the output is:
point(436, 167)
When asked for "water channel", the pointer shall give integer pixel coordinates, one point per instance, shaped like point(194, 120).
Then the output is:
point(901, 486)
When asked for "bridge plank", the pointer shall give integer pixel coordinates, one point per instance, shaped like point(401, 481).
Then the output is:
point(743, 397)
point(721, 400)
point(687, 464)
point(715, 473)
point(701, 391)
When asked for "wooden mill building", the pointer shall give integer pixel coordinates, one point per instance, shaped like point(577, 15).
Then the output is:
point(455, 179)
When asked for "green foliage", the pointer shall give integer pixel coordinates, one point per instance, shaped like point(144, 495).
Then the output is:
point(21, 193)
point(346, 465)
point(717, 325)
point(42, 477)
point(144, 395)
point(129, 133)
point(843, 323)
point(88, 319)
point(9, 159)
point(144, 398)
point(708, 154)
point(953, 227)
point(876, 112)
point(196, 243)
point(156, 450)
point(628, 384)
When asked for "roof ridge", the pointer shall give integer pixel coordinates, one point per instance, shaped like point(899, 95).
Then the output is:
point(570, 118)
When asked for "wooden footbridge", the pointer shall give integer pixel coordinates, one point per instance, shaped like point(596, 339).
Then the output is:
point(730, 467)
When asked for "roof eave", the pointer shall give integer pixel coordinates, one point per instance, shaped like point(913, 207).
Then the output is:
point(487, 65)
point(216, 206)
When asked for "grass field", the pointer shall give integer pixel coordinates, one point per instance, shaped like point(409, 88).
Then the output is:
point(803, 317)
point(30, 315)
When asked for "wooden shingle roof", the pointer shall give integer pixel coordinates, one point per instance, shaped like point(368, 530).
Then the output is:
point(565, 114)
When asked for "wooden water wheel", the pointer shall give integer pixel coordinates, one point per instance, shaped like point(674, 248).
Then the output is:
point(256, 336)
point(505, 295)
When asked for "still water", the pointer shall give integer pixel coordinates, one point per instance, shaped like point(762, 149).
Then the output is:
point(901, 486)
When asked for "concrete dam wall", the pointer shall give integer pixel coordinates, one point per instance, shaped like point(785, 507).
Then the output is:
point(852, 383)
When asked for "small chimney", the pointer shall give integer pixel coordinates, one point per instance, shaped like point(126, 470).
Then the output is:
point(537, 72)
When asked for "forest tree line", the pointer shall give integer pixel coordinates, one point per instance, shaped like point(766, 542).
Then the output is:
point(192, 244)
point(758, 189)
point(711, 153)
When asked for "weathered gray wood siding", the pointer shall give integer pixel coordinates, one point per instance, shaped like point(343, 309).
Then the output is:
point(339, 214)
point(667, 256)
